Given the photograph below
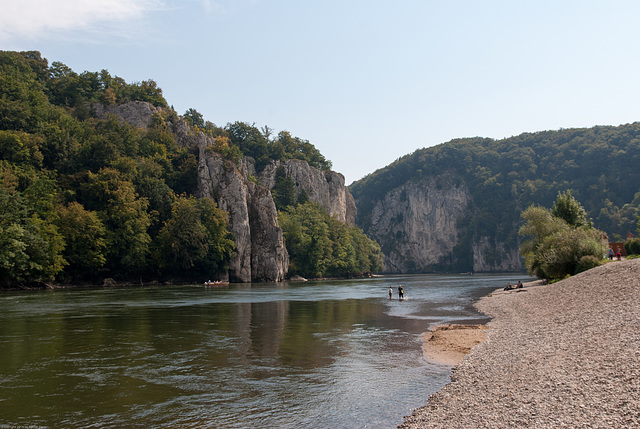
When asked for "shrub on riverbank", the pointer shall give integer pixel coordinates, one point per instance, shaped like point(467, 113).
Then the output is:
point(560, 242)
point(632, 246)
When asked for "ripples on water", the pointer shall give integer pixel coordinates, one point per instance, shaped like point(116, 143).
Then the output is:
point(334, 354)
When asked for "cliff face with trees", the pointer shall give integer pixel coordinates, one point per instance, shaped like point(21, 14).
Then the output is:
point(100, 178)
point(457, 206)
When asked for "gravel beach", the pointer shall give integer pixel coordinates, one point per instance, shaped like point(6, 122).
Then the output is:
point(559, 355)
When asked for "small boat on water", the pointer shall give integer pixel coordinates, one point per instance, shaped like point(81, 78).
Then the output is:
point(215, 283)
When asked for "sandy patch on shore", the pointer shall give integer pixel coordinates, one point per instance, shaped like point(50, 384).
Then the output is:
point(449, 344)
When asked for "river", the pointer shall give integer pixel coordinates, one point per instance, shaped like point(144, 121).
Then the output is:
point(321, 354)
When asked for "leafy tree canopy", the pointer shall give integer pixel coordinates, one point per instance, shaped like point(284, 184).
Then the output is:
point(570, 210)
point(85, 198)
point(554, 247)
point(320, 245)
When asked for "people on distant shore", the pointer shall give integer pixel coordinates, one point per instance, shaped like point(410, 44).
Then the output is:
point(400, 292)
point(518, 285)
point(390, 293)
point(610, 254)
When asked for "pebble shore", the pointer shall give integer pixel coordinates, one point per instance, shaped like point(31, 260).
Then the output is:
point(559, 355)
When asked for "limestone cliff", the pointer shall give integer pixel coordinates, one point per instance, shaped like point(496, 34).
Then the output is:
point(420, 223)
point(326, 188)
point(136, 113)
point(415, 225)
point(261, 253)
point(492, 256)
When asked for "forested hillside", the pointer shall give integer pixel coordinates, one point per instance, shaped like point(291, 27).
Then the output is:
point(83, 198)
point(599, 165)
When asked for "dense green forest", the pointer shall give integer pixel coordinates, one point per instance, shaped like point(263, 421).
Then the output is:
point(321, 246)
point(82, 198)
point(600, 166)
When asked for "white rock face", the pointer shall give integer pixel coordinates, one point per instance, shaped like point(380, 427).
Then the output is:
point(489, 256)
point(269, 257)
point(136, 113)
point(326, 188)
point(261, 254)
point(416, 225)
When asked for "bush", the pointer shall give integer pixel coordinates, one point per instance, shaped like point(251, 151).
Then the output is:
point(632, 246)
point(556, 248)
point(587, 262)
point(561, 252)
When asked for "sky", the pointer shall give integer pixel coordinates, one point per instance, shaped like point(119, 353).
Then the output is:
point(365, 81)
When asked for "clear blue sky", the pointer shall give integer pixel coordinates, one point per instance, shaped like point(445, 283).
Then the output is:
point(365, 81)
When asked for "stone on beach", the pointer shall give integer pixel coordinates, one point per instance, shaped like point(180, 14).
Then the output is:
point(561, 355)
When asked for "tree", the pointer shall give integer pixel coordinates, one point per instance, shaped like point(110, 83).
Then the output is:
point(195, 240)
point(320, 245)
point(555, 248)
point(30, 246)
point(221, 145)
point(570, 210)
point(125, 217)
point(84, 235)
point(193, 117)
point(561, 254)
point(284, 189)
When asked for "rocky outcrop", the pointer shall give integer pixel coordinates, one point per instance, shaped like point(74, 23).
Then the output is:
point(326, 188)
point(269, 256)
point(419, 224)
point(136, 113)
point(416, 224)
point(261, 254)
point(492, 256)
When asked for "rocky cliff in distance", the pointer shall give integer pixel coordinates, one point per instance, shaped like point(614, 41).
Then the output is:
point(135, 113)
point(492, 256)
point(261, 253)
point(417, 226)
point(326, 188)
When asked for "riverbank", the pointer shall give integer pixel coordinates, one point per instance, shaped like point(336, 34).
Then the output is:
point(565, 354)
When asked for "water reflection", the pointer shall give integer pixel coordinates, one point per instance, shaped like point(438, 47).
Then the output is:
point(324, 354)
